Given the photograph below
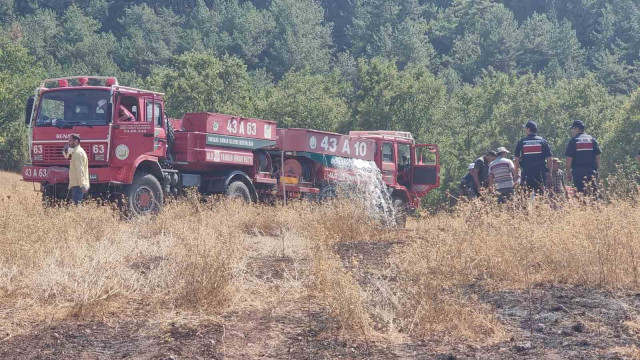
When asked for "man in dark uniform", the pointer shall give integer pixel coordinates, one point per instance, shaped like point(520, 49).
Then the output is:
point(480, 171)
point(533, 155)
point(583, 158)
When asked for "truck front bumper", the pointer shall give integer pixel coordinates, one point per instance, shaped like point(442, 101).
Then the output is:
point(59, 174)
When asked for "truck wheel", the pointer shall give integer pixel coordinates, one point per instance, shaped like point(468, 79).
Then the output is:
point(144, 196)
point(53, 195)
point(327, 193)
point(171, 137)
point(238, 190)
point(401, 211)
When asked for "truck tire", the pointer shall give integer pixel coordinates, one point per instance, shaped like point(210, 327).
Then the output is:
point(171, 137)
point(238, 190)
point(327, 193)
point(144, 196)
point(401, 212)
point(53, 195)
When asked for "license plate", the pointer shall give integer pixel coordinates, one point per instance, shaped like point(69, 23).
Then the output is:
point(34, 173)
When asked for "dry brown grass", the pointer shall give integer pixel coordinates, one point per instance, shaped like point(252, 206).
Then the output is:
point(512, 247)
point(595, 246)
point(205, 259)
point(629, 353)
point(193, 257)
point(340, 293)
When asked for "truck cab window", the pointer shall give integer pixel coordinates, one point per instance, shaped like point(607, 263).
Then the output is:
point(128, 109)
point(387, 152)
point(404, 156)
point(153, 109)
point(425, 156)
point(72, 108)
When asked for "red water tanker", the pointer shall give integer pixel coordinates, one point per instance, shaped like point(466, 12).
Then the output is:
point(142, 160)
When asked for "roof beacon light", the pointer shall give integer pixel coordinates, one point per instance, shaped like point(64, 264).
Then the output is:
point(63, 83)
point(110, 81)
point(83, 81)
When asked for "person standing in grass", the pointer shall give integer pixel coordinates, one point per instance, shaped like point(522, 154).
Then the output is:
point(583, 159)
point(533, 156)
point(503, 174)
point(480, 171)
point(468, 185)
point(78, 169)
point(558, 189)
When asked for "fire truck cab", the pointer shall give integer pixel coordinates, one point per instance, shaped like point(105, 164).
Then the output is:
point(123, 130)
point(408, 169)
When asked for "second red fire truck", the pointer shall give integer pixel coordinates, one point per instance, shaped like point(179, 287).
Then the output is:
point(143, 159)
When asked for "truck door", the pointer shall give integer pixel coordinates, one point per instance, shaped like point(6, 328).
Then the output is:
point(425, 173)
point(388, 167)
point(131, 137)
point(154, 113)
point(404, 164)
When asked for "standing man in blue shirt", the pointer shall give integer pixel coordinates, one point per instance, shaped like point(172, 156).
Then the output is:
point(583, 159)
point(533, 155)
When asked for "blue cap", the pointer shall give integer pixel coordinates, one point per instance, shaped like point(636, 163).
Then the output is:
point(578, 124)
point(531, 125)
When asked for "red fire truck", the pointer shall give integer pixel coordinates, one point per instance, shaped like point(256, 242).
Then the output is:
point(143, 158)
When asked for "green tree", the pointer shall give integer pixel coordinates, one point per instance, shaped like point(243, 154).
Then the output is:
point(306, 100)
point(19, 75)
point(150, 37)
point(302, 39)
point(373, 92)
point(40, 33)
point(410, 100)
point(82, 49)
point(623, 136)
point(196, 82)
point(393, 29)
point(235, 28)
point(6, 12)
point(613, 71)
point(477, 35)
point(547, 43)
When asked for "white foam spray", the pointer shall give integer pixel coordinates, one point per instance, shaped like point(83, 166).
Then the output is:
point(362, 179)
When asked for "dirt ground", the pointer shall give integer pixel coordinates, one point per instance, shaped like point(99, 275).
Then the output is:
point(545, 322)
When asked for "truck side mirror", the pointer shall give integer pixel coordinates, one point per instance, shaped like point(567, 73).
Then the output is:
point(28, 110)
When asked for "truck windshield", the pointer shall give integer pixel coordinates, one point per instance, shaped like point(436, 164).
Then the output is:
point(73, 108)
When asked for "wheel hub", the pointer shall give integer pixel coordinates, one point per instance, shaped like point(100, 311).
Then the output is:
point(143, 199)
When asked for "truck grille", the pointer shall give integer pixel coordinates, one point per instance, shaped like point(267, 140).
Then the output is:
point(53, 153)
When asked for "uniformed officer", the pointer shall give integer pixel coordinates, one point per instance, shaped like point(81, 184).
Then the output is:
point(533, 155)
point(583, 158)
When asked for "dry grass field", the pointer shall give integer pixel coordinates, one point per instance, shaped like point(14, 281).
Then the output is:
point(229, 281)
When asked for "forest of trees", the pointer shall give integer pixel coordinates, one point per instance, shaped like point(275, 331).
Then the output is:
point(463, 73)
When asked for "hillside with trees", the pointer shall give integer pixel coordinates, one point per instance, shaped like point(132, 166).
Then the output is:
point(463, 73)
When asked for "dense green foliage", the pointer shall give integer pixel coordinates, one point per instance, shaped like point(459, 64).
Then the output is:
point(463, 73)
